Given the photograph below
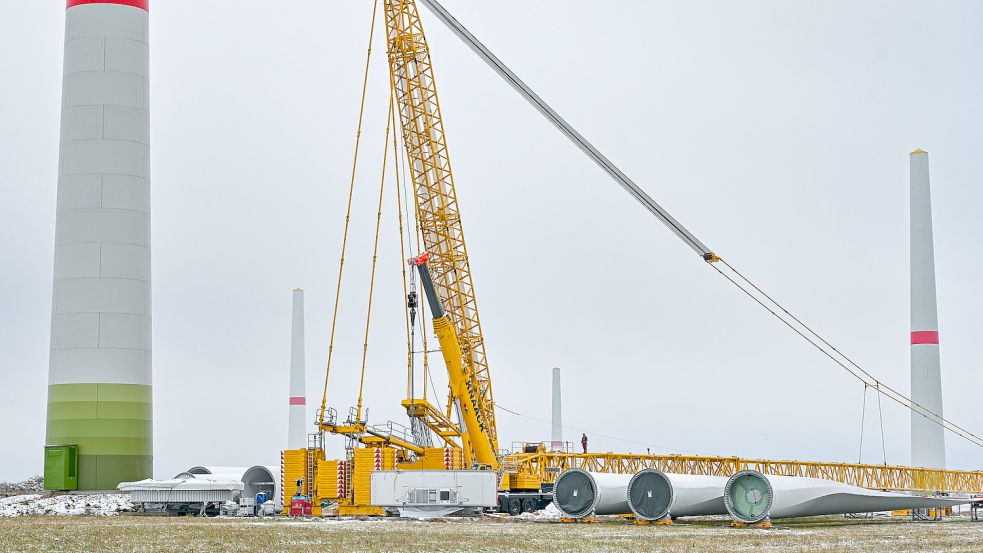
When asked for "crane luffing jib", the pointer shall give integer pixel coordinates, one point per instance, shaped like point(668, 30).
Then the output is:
point(600, 159)
point(735, 277)
point(437, 212)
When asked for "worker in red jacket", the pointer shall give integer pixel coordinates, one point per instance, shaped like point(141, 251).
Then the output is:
point(583, 441)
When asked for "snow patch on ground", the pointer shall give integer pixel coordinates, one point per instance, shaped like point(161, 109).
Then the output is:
point(74, 505)
point(29, 486)
point(547, 514)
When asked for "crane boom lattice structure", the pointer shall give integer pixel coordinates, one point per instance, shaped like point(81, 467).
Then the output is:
point(437, 212)
point(549, 464)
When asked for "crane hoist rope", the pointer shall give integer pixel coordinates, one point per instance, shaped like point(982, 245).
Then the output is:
point(880, 417)
point(409, 289)
point(739, 280)
point(406, 242)
point(414, 312)
point(863, 417)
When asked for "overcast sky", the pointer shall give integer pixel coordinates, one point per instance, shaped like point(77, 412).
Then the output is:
point(777, 131)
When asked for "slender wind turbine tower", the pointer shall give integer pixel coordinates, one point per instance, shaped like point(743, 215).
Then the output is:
point(557, 434)
point(296, 431)
point(99, 372)
point(927, 435)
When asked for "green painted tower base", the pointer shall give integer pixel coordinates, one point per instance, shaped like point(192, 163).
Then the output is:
point(111, 425)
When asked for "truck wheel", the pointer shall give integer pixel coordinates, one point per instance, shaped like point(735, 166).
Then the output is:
point(529, 505)
point(515, 506)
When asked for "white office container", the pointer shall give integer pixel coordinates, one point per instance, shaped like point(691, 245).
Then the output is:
point(434, 493)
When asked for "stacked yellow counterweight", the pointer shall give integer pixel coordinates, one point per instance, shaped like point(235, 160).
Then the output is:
point(368, 459)
point(348, 484)
point(332, 480)
point(293, 467)
point(442, 458)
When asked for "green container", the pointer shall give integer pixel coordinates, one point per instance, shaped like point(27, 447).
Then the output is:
point(61, 467)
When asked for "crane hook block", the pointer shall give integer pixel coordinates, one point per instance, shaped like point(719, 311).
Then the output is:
point(420, 259)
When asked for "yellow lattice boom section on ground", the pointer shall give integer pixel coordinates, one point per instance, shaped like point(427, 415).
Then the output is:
point(549, 465)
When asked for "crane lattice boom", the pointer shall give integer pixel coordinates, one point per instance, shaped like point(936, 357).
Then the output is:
point(437, 211)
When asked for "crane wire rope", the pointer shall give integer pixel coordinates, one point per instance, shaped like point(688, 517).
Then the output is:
point(880, 416)
point(708, 255)
point(348, 216)
point(403, 201)
point(817, 341)
point(403, 205)
point(414, 252)
point(427, 374)
point(410, 332)
point(375, 257)
point(863, 416)
point(405, 240)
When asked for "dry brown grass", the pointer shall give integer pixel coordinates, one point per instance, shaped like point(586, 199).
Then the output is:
point(143, 534)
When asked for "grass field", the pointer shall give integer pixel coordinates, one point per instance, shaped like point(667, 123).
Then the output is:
point(141, 534)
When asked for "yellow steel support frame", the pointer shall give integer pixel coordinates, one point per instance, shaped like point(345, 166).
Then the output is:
point(437, 210)
point(880, 477)
point(442, 426)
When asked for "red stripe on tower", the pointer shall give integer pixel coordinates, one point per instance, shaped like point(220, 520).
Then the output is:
point(142, 4)
point(298, 401)
point(925, 337)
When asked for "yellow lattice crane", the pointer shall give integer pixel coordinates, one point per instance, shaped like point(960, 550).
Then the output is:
point(446, 272)
point(439, 219)
point(446, 277)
